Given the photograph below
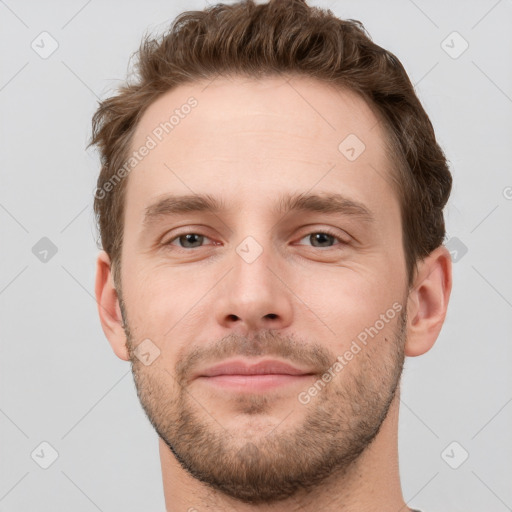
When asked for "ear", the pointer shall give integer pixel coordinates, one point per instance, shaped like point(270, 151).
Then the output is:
point(428, 301)
point(108, 307)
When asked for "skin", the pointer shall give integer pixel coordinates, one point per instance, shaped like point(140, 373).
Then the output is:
point(300, 301)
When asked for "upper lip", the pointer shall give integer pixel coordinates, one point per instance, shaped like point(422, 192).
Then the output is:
point(241, 367)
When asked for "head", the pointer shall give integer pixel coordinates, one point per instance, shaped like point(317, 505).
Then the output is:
point(270, 187)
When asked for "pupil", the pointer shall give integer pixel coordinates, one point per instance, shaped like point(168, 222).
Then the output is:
point(190, 238)
point(318, 237)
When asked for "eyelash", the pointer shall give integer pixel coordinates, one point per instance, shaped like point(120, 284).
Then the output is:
point(323, 232)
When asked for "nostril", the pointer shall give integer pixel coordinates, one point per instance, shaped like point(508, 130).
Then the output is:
point(271, 315)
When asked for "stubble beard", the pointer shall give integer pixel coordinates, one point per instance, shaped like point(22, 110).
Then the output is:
point(340, 423)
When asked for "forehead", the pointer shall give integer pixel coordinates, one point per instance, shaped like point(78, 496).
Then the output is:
point(246, 138)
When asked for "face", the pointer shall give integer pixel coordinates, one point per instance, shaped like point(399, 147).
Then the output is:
point(300, 263)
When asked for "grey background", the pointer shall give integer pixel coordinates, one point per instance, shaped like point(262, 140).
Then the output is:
point(60, 381)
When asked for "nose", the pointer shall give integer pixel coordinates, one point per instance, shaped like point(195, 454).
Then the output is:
point(254, 295)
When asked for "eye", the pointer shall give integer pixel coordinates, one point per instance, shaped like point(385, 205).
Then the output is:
point(317, 239)
point(188, 240)
point(323, 239)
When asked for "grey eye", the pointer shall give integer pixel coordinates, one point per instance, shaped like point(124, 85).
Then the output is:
point(320, 239)
point(190, 240)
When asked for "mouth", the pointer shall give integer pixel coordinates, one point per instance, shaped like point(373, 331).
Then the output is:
point(241, 376)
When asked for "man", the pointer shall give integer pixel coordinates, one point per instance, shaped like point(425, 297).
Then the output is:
point(270, 209)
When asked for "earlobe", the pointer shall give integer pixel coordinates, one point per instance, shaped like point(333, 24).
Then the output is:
point(428, 301)
point(108, 307)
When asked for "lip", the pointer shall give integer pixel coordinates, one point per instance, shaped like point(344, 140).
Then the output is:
point(242, 376)
point(241, 367)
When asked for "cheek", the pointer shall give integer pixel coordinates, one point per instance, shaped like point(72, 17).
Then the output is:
point(163, 302)
point(145, 296)
point(351, 304)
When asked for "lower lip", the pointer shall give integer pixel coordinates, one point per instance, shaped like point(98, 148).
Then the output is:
point(252, 383)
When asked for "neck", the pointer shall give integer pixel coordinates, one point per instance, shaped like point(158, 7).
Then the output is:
point(371, 484)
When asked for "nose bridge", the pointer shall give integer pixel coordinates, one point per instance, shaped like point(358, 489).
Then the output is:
point(252, 259)
point(252, 294)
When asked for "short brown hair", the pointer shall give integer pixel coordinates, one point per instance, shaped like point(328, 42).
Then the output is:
point(280, 37)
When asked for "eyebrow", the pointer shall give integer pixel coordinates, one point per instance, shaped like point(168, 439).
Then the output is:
point(176, 205)
point(332, 203)
point(329, 203)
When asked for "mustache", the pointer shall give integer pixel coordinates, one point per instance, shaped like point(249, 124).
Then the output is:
point(263, 343)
